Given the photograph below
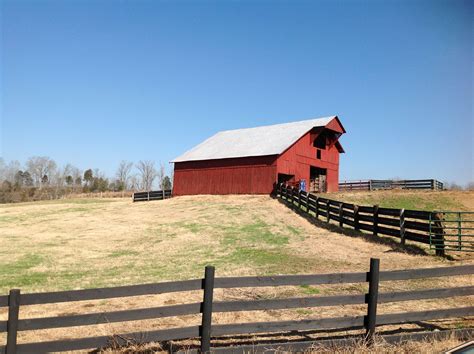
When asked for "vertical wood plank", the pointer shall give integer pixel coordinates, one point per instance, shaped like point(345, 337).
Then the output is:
point(438, 232)
point(402, 226)
point(372, 298)
point(12, 324)
point(356, 217)
point(341, 220)
point(376, 220)
point(307, 202)
point(208, 287)
point(328, 214)
point(317, 207)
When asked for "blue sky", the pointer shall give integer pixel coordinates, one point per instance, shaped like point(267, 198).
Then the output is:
point(95, 82)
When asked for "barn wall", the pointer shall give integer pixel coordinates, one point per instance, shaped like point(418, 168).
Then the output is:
point(248, 175)
point(299, 157)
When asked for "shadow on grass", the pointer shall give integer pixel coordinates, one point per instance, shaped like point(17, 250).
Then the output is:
point(386, 241)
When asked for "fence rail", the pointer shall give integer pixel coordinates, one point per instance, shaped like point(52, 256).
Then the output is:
point(152, 195)
point(374, 184)
point(206, 330)
point(415, 225)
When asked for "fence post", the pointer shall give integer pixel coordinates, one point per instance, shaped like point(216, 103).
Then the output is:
point(148, 195)
point(376, 220)
point(317, 208)
point(328, 214)
point(341, 220)
point(356, 217)
point(163, 194)
point(133, 197)
point(208, 285)
point(433, 184)
point(438, 233)
point(12, 324)
point(402, 226)
point(372, 297)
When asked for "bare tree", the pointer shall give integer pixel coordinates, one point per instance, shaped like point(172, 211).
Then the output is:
point(123, 174)
point(41, 168)
point(3, 168)
point(161, 175)
point(147, 174)
point(10, 170)
point(134, 183)
point(76, 176)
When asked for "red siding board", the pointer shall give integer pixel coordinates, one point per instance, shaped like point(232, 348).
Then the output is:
point(246, 175)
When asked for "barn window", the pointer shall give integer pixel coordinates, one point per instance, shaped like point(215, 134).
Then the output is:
point(318, 154)
point(320, 141)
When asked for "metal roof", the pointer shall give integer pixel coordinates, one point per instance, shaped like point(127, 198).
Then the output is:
point(259, 141)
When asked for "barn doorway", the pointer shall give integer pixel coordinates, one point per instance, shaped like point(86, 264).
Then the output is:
point(284, 178)
point(317, 179)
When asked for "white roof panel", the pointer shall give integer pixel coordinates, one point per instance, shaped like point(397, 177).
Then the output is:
point(259, 141)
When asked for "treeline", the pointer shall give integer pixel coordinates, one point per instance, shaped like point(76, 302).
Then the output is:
point(41, 178)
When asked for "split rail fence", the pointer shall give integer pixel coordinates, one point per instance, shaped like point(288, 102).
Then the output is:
point(414, 225)
point(374, 184)
point(207, 330)
point(151, 195)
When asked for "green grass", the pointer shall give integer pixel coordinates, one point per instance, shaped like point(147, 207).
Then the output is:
point(20, 273)
point(309, 290)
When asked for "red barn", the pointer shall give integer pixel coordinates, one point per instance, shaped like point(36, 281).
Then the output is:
point(251, 161)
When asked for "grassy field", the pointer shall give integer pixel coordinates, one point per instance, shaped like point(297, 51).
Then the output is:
point(83, 243)
point(417, 200)
point(86, 243)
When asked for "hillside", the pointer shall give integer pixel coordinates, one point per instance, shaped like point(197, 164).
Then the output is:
point(412, 199)
point(86, 243)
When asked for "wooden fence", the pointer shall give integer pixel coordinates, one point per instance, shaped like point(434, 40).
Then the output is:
point(207, 330)
point(151, 195)
point(374, 184)
point(413, 225)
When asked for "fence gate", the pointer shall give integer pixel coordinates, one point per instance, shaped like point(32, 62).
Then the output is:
point(452, 230)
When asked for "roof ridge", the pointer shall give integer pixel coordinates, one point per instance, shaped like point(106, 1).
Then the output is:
point(277, 124)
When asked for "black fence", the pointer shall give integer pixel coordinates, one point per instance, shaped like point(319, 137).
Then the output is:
point(375, 184)
point(415, 225)
point(152, 195)
point(207, 330)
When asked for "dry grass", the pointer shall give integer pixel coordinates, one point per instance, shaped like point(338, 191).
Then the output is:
point(88, 243)
point(357, 347)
